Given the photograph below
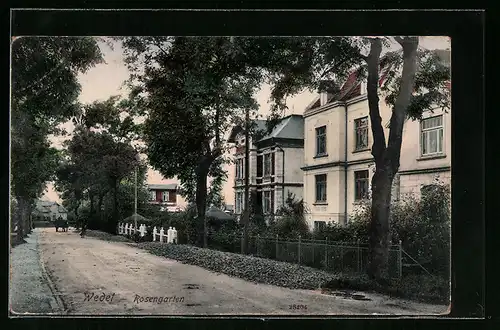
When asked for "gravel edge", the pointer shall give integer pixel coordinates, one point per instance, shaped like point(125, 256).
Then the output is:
point(48, 278)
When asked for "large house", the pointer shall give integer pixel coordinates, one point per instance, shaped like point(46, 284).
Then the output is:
point(275, 163)
point(337, 152)
point(333, 141)
point(167, 196)
point(49, 211)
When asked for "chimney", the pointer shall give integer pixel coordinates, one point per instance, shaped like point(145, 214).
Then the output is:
point(323, 98)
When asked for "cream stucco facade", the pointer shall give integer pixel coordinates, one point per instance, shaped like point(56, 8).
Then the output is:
point(349, 168)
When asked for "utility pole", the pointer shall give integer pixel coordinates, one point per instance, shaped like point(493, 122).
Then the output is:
point(138, 159)
point(246, 214)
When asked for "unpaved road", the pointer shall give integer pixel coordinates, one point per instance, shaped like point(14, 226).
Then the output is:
point(121, 275)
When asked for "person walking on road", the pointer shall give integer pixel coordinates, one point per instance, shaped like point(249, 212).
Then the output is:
point(84, 228)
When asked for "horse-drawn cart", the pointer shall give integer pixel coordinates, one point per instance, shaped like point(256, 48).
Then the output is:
point(61, 223)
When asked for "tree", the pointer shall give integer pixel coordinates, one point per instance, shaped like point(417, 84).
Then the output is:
point(97, 163)
point(193, 89)
point(44, 92)
point(100, 155)
point(416, 81)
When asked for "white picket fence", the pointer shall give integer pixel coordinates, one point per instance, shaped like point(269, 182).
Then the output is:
point(129, 229)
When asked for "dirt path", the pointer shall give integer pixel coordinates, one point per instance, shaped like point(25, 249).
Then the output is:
point(123, 278)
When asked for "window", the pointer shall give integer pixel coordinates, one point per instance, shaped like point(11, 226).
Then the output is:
point(259, 166)
point(267, 202)
point(240, 168)
point(361, 127)
point(273, 166)
point(239, 202)
point(319, 225)
point(361, 184)
point(152, 195)
point(432, 135)
point(267, 164)
point(164, 196)
point(321, 188)
point(320, 140)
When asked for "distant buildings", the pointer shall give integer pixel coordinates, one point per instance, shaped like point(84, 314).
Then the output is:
point(167, 196)
point(49, 211)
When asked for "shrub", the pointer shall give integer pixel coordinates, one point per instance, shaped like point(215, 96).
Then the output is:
point(227, 239)
point(423, 226)
point(291, 222)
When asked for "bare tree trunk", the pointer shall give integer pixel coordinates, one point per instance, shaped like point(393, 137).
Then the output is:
point(386, 158)
point(28, 217)
point(25, 217)
point(99, 206)
point(114, 220)
point(91, 198)
point(201, 199)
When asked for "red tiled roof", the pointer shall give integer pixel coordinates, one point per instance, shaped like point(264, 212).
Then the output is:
point(352, 86)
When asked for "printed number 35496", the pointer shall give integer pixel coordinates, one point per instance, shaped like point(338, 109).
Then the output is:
point(297, 307)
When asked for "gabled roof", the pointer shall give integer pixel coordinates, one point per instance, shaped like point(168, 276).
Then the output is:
point(352, 86)
point(258, 125)
point(44, 206)
point(62, 209)
point(290, 127)
point(169, 186)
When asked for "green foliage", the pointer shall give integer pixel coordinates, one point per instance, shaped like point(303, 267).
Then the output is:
point(291, 221)
point(192, 91)
point(101, 160)
point(227, 238)
point(423, 225)
point(44, 94)
point(295, 64)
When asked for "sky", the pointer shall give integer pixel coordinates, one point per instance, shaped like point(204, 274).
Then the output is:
point(106, 79)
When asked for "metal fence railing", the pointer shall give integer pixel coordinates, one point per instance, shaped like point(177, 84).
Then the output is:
point(322, 254)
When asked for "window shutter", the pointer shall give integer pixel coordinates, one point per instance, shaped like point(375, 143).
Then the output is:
point(172, 197)
point(272, 201)
point(272, 163)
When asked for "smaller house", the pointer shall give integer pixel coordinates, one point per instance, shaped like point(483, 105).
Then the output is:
point(275, 161)
point(165, 195)
point(49, 211)
point(229, 209)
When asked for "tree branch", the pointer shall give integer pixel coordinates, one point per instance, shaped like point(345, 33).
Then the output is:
point(373, 62)
point(399, 40)
point(159, 47)
point(410, 46)
point(36, 82)
point(333, 67)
